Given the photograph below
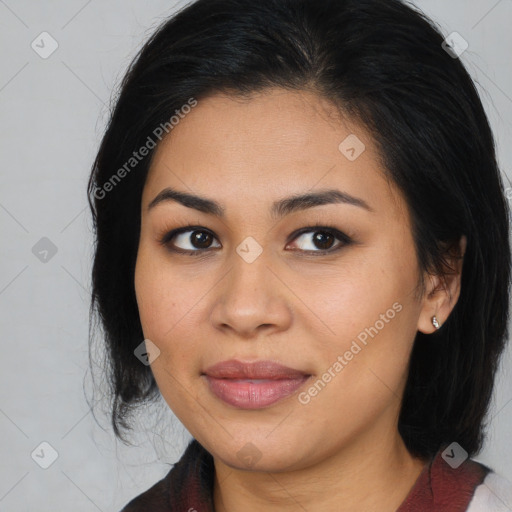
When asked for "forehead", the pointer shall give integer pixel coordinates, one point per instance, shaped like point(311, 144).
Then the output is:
point(268, 145)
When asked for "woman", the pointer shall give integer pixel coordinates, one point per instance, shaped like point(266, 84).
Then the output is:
point(303, 247)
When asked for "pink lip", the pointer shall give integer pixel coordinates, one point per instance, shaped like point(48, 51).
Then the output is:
point(253, 385)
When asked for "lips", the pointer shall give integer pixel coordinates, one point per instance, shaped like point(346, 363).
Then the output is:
point(253, 385)
point(258, 370)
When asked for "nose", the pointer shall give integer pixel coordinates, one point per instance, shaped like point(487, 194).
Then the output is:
point(252, 298)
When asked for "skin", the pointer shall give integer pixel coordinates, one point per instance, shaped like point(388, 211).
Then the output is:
point(289, 305)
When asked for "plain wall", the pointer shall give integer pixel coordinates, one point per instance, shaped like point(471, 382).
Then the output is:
point(52, 115)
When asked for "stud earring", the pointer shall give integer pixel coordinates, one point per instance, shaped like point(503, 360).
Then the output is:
point(435, 322)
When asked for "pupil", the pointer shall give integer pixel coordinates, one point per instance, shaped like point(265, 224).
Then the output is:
point(319, 239)
point(199, 238)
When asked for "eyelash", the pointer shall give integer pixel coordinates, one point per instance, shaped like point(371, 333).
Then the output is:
point(345, 239)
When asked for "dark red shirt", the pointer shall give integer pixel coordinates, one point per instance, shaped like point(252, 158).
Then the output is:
point(188, 487)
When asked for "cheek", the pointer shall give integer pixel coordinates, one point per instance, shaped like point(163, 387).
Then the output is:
point(157, 298)
point(364, 365)
point(165, 311)
point(371, 317)
point(352, 296)
point(145, 293)
point(171, 309)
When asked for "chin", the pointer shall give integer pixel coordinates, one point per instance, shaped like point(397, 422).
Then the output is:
point(262, 455)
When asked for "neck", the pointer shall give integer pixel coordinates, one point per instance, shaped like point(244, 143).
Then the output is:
point(367, 475)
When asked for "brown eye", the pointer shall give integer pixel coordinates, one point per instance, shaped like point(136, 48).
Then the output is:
point(189, 240)
point(201, 239)
point(320, 240)
point(323, 240)
point(196, 240)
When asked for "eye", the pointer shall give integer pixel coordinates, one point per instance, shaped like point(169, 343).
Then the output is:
point(190, 237)
point(196, 240)
point(322, 238)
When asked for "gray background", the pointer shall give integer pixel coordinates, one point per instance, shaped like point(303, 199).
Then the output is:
point(52, 115)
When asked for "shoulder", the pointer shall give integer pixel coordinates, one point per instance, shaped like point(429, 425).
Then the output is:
point(494, 494)
point(156, 498)
point(449, 484)
point(187, 486)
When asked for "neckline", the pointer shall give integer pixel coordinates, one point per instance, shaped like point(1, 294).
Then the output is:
point(439, 485)
point(419, 484)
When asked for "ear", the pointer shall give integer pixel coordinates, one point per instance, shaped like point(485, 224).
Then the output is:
point(442, 292)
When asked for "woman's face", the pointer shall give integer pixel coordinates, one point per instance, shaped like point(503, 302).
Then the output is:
point(341, 313)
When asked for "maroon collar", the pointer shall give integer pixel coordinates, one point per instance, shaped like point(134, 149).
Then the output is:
point(442, 488)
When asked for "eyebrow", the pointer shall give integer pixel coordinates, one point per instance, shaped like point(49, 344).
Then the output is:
point(279, 208)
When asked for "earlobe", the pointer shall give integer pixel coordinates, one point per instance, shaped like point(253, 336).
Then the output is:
point(430, 319)
point(443, 292)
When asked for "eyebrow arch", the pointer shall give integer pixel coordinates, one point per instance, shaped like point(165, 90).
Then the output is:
point(279, 208)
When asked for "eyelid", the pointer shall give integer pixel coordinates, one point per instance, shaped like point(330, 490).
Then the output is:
point(342, 237)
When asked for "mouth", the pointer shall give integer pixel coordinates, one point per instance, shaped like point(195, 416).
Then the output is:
point(253, 385)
